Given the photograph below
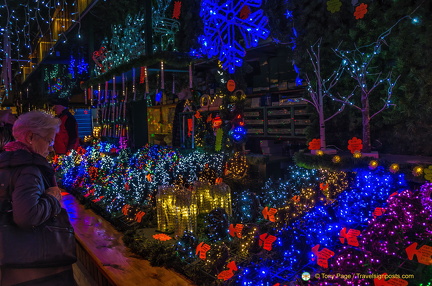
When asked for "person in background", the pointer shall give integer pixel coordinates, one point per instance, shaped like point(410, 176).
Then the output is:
point(7, 119)
point(33, 195)
point(67, 138)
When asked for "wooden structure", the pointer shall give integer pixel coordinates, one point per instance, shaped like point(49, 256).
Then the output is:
point(108, 261)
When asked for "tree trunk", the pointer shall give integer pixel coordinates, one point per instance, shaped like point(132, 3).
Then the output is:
point(366, 125)
point(321, 121)
point(323, 144)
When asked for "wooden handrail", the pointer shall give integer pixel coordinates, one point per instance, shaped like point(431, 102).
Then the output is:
point(107, 259)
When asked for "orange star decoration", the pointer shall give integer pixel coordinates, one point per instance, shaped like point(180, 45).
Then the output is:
point(296, 199)
point(177, 10)
point(315, 144)
point(139, 215)
point(380, 281)
point(236, 231)
point(149, 177)
point(226, 170)
point(198, 115)
point(209, 118)
point(161, 237)
point(56, 159)
point(323, 255)
point(125, 209)
point(202, 249)
point(350, 236)
point(334, 5)
point(218, 181)
point(378, 212)
point(227, 274)
point(269, 213)
point(266, 241)
point(360, 11)
point(355, 144)
point(424, 253)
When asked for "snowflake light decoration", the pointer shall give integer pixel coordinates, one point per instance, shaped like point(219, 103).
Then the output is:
point(225, 23)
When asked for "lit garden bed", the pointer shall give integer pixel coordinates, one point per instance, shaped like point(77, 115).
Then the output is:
point(310, 227)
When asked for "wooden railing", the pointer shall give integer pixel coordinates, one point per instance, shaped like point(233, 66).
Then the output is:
point(105, 257)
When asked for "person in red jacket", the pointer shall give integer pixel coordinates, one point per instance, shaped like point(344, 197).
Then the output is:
point(67, 138)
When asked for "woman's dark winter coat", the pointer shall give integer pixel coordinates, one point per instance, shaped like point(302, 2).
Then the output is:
point(24, 172)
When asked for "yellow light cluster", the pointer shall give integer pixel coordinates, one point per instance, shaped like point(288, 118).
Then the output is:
point(216, 252)
point(373, 164)
point(394, 168)
point(357, 154)
point(176, 210)
point(237, 165)
point(78, 159)
point(336, 159)
point(417, 171)
point(305, 201)
point(177, 207)
point(248, 239)
point(97, 132)
point(209, 197)
point(337, 182)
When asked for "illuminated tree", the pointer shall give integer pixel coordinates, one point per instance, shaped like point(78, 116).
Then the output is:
point(359, 64)
point(320, 87)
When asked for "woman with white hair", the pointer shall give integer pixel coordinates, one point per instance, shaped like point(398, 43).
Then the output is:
point(29, 199)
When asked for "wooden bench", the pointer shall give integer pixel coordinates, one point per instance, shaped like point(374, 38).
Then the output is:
point(105, 257)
